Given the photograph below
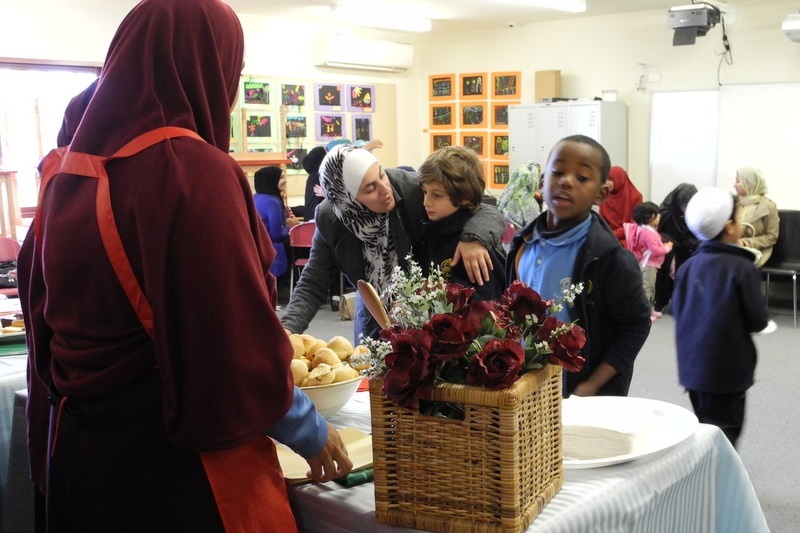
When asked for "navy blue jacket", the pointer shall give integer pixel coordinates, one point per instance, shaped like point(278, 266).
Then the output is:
point(717, 303)
point(612, 308)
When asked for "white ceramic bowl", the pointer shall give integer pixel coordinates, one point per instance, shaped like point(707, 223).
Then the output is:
point(328, 399)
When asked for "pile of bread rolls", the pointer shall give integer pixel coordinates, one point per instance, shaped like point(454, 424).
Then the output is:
point(317, 362)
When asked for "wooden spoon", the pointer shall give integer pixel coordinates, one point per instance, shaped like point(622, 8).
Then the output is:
point(373, 302)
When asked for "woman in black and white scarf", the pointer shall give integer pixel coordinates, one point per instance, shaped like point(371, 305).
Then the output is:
point(369, 222)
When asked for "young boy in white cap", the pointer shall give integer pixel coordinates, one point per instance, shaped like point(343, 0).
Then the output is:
point(717, 304)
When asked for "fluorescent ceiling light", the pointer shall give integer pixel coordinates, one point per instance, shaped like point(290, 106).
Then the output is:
point(372, 18)
point(570, 6)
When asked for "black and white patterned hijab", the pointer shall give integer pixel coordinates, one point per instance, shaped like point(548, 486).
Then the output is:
point(340, 175)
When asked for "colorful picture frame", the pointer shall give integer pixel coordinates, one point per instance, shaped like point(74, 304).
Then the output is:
point(295, 155)
point(257, 93)
point(472, 86)
point(442, 87)
point(361, 98)
point(441, 140)
point(329, 96)
point(475, 141)
point(260, 127)
point(498, 175)
point(506, 85)
point(362, 127)
point(499, 148)
point(442, 117)
point(500, 114)
point(296, 127)
point(293, 94)
point(473, 115)
point(330, 126)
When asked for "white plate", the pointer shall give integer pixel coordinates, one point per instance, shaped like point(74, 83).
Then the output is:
point(667, 425)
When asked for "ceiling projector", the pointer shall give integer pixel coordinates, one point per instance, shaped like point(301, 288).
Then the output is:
point(690, 21)
point(791, 27)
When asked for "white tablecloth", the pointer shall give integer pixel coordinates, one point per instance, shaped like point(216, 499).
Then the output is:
point(699, 486)
point(12, 378)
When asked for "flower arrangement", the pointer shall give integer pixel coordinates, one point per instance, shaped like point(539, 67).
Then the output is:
point(440, 334)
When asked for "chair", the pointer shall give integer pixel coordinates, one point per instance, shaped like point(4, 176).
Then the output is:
point(300, 238)
point(785, 258)
point(9, 249)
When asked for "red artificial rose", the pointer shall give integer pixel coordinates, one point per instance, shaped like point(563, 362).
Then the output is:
point(566, 347)
point(478, 310)
point(410, 368)
point(458, 295)
point(451, 335)
point(497, 366)
point(524, 301)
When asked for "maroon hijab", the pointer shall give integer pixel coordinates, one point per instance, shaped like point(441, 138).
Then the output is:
point(186, 218)
point(618, 207)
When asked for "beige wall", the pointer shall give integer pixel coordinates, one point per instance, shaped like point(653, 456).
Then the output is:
point(593, 53)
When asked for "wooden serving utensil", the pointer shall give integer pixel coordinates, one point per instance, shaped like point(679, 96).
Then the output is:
point(373, 302)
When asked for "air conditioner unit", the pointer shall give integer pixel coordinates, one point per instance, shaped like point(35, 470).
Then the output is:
point(338, 51)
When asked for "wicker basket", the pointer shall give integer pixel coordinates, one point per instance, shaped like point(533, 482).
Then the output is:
point(494, 471)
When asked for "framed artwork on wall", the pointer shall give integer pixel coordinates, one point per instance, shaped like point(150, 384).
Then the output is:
point(442, 117)
point(257, 93)
point(329, 96)
point(264, 148)
point(260, 127)
point(362, 127)
point(472, 86)
point(295, 155)
point(442, 87)
point(473, 115)
point(441, 140)
point(500, 114)
point(296, 127)
point(330, 126)
point(506, 85)
point(293, 94)
point(498, 177)
point(499, 146)
point(361, 98)
point(475, 141)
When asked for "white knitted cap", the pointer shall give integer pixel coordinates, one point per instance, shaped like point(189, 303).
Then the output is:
point(708, 211)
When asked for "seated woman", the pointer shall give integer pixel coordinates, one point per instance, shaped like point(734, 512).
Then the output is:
point(758, 214)
point(270, 185)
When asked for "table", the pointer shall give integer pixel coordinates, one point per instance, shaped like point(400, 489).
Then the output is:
point(700, 485)
point(8, 178)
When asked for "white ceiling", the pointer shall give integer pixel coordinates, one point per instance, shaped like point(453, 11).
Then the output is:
point(449, 15)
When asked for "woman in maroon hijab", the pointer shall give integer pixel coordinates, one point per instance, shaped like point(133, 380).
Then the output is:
point(618, 207)
point(147, 296)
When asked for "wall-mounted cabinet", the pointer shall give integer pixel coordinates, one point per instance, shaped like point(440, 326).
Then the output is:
point(534, 129)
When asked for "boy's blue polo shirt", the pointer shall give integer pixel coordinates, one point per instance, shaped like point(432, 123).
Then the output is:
point(548, 259)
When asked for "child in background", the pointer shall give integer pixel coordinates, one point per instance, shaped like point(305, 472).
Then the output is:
point(642, 238)
point(570, 244)
point(452, 184)
point(717, 304)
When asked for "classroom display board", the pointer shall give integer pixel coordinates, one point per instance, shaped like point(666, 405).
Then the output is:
point(471, 110)
point(702, 137)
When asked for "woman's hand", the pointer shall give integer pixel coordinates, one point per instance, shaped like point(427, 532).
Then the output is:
point(318, 191)
point(477, 261)
point(332, 462)
point(292, 222)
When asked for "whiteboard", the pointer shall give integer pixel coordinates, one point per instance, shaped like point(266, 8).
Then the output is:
point(702, 137)
point(684, 131)
point(760, 127)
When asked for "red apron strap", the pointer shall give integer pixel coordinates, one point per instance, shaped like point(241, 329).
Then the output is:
point(92, 166)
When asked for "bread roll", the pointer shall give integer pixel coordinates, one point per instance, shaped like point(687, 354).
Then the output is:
point(299, 370)
point(297, 345)
point(322, 374)
point(311, 350)
point(344, 372)
point(326, 356)
point(341, 346)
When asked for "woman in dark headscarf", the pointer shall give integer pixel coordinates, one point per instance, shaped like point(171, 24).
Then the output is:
point(672, 227)
point(149, 304)
point(618, 207)
point(311, 163)
point(270, 185)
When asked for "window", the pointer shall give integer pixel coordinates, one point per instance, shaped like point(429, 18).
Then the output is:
point(32, 103)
